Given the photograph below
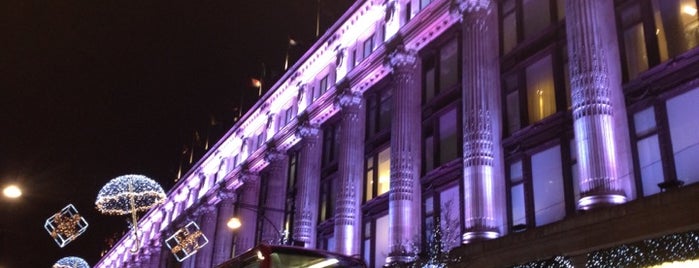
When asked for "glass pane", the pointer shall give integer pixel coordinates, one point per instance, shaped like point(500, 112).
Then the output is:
point(428, 152)
point(547, 181)
point(636, 54)
point(429, 205)
point(447, 137)
point(367, 251)
point(429, 84)
point(536, 16)
point(519, 213)
point(513, 121)
point(509, 32)
point(516, 172)
point(651, 164)
point(684, 131)
point(384, 171)
point(429, 231)
point(372, 112)
point(385, 111)
point(644, 121)
point(369, 194)
point(450, 220)
point(448, 68)
point(677, 26)
point(424, 3)
point(541, 93)
point(381, 241)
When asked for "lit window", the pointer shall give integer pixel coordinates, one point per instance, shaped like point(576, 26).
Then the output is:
point(384, 171)
point(541, 94)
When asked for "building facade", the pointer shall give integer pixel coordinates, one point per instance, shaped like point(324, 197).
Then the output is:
point(526, 133)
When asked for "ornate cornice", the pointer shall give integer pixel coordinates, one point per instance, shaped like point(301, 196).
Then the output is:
point(472, 6)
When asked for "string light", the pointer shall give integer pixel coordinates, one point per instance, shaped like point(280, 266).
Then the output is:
point(115, 197)
point(66, 225)
point(71, 262)
point(556, 262)
point(650, 252)
point(186, 241)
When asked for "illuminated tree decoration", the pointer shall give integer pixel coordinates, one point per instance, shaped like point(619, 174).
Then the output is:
point(129, 194)
point(186, 241)
point(65, 225)
point(71, 262)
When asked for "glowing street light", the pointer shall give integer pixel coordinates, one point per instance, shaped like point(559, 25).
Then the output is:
point(12, 191)
point(234, 223)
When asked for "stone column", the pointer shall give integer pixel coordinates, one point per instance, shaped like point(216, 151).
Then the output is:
point(223, 242)
point(275, 202)
point(249, 196)
point(207, 224)
point(308, 185)
point(405, 188)
point(348, 213)
point(594, 107)
point(484, 192)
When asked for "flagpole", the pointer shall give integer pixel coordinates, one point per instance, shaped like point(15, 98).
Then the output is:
point(317, 18)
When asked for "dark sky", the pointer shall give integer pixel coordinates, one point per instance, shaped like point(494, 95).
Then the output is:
point(90, 90)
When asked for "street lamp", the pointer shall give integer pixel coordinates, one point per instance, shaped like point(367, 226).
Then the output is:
point(12, 191)
point(235, 223)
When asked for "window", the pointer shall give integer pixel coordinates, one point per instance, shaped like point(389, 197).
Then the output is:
point(526, 19)
point(441, 71)
point(648, 150)
point(379, 111)
point(531, 92)
point(330, 144)
point(378, 174)
point(653, 31)
point(375, 237)
point(537, 195)
point(368, 47)
point(541, 93)
point(684, 133)
point(290, 208)
point(424, 3)
point(443, 136)
point(323, 87)
point(450, 217)
point(328, 195)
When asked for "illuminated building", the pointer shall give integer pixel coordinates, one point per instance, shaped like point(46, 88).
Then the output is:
point(531, 132)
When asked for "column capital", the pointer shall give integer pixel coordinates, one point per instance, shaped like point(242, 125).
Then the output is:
point(249, 176)
point(464, 6)
point(273, 155)
point(402, 58)
point(226, 194)
point(348, 99)
point(307, 130)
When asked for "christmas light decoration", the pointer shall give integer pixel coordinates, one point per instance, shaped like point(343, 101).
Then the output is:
point(556, 262)
point(650, 252)
point(129, 194)
point(71, 262)
point(186, 241)
point(66, 225)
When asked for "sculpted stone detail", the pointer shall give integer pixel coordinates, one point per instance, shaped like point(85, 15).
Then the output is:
point(349, 100)
point(402, 179)
point(402, 58)
point(473, 5)
point(478, 138)
point(306, 130)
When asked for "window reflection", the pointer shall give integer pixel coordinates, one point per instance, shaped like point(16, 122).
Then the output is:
point(676, 26)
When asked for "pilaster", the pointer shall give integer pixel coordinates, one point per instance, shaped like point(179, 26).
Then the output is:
point(405, 189)
point(275, 202)
point(348, 214)
point(594, 106)
point(484, 203)
point(223, 242)
point(207, 224)
point(249, 194)
point(308, 185)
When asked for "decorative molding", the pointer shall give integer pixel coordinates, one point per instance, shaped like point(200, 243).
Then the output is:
point(402, 58)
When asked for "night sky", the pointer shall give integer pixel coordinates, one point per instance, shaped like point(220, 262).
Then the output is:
point(90, 90)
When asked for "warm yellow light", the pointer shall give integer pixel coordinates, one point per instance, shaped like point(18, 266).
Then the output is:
point(12, 191)
point(234, 223)
point(689, 10)
point(678, 264)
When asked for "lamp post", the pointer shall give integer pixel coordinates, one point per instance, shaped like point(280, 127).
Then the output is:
point(235, 223)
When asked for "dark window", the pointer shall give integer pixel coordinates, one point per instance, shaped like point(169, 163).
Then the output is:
point(290, 195)
point(379, 112)
point(441, 72)
point(527, 19)
point(442, 142)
